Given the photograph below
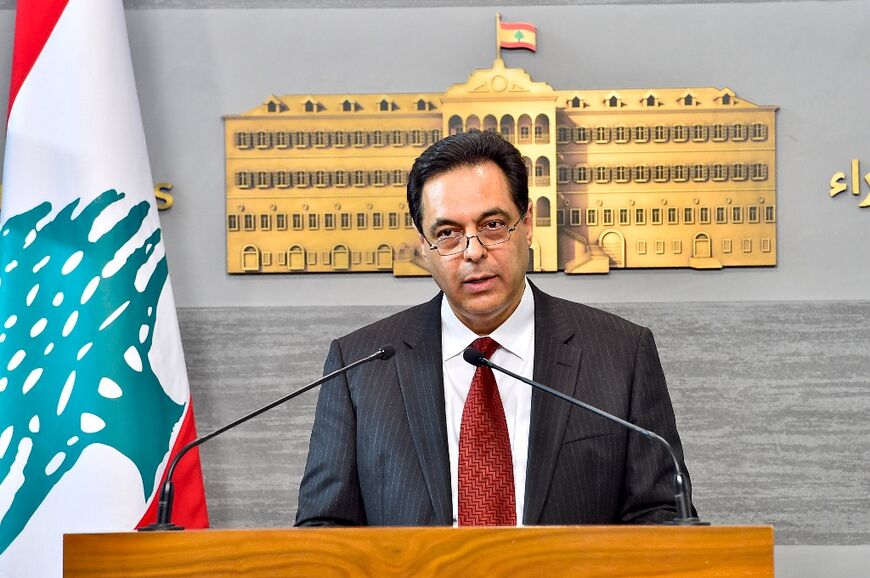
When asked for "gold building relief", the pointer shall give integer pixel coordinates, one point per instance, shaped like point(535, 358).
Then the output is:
point(639, 178)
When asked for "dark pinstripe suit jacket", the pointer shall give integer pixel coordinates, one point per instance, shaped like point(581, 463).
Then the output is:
point(378, 452)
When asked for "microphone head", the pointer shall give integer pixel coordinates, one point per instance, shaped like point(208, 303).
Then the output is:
point(473, 356)
point(387, 351)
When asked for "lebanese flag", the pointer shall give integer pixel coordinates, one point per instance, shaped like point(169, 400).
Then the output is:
point(94, 397)
point(517, 35)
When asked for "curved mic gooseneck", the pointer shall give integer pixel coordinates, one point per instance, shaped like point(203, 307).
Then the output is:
point(684, 510)
point(164, 505)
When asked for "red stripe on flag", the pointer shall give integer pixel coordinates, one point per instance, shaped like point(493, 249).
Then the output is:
point(518, 26)
point(34, 22)
point(526, 45)
point(188, 508)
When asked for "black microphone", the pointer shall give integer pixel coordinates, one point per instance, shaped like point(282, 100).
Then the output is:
point(164, 505)
point(684, 511)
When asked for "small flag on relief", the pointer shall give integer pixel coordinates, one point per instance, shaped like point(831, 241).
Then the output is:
point(517, 35)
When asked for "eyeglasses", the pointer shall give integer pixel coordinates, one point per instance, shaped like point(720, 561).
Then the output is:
point(450, 241)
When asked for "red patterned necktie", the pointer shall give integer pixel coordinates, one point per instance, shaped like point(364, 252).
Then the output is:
point(486, 472)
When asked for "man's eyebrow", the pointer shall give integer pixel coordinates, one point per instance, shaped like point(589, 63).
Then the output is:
point(484, 215)
point(493, 213)
point(441, 223)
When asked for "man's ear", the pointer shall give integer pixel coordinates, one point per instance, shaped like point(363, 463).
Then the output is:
point(529, 222)
point(424, 248)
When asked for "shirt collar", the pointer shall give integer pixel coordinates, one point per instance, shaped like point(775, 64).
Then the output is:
point(513, 335)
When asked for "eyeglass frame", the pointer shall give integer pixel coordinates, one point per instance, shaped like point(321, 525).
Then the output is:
point(468, 238)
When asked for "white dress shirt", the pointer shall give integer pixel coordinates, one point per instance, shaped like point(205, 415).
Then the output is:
point(516, 336)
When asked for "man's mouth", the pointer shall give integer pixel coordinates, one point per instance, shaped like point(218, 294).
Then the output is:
point(478, 281)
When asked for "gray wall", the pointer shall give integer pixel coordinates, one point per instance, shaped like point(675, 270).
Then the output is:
point(768, 368)
point(771, 401)
point(810, 58)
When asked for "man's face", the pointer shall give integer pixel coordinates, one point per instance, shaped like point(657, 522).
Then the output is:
point(482, 284)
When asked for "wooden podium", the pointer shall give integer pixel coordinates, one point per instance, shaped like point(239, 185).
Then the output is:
point(490, 552)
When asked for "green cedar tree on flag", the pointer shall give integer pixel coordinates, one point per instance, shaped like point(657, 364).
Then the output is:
point(94, 397)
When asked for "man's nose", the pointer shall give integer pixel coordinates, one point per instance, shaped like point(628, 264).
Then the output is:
point(474, 249)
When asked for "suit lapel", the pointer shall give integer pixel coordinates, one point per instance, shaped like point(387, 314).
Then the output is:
point(557, 364)
point(421, 380)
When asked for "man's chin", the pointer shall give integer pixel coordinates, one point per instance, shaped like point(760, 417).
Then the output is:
point(480, 311)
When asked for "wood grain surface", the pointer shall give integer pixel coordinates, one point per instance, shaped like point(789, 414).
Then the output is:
point(577, 551)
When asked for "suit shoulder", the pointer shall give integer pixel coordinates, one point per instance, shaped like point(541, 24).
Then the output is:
point(585, 317)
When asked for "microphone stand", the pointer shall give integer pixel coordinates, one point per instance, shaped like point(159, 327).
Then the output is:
point(164, 505)
point(684, 510)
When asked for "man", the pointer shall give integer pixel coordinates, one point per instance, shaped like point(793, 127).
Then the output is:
point(427, 439)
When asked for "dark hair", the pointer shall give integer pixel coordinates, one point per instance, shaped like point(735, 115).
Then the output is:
point(468, 149)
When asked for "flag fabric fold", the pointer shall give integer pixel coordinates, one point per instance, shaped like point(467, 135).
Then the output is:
point(94, 395)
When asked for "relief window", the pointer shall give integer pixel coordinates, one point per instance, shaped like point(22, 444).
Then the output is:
point(591, 217)
point(641, 134)
point(689, 215)
point(575, 217)
point(758, 132)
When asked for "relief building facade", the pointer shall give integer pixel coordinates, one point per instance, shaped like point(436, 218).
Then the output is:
point(638, 178)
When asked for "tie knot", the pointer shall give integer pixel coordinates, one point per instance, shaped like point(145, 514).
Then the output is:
point(486, 345)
